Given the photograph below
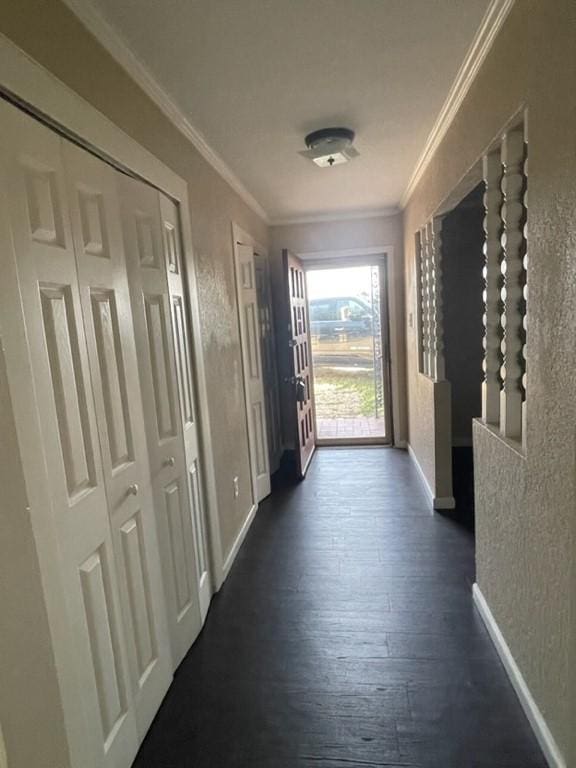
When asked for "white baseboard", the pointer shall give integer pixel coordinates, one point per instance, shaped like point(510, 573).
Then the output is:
point(545, 739)
point(231, 556)
point(436, 502)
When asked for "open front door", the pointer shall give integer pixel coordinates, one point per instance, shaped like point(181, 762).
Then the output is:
point(300, 362)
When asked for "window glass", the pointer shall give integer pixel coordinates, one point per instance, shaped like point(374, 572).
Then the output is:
point(322, 310)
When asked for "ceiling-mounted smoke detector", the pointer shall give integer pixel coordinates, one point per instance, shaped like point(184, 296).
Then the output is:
point(330, 146)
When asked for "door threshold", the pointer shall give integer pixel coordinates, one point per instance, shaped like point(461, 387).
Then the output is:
point(353, 442)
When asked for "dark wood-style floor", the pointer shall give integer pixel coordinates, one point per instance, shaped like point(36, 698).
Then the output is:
point(345, 637)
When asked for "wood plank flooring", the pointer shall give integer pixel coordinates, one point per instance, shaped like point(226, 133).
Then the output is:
point(345, 637)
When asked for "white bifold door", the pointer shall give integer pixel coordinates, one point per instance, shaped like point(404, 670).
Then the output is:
point(102, 331)
point(252, 366)
point(154, 254)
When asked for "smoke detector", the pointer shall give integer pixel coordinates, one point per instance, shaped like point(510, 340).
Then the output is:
point(330, 146)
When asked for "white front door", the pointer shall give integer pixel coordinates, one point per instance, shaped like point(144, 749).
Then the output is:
point(97, 233)
point(252, 366)
point(146, 253)
point(100, 718)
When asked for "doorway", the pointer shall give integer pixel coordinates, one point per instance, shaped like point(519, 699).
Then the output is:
point(463, 283)
point(349, 345)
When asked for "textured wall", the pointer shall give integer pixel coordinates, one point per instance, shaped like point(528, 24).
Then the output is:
point(344, 235)
point(73, 55)
point(525, 508)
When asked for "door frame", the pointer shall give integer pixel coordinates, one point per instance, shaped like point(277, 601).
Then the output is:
point(241, 237)
point(363, 257)
point(29, 86)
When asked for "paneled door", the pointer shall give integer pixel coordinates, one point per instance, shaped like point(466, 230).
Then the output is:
point(175, 270)
point(97, 233)
point(101, 721)
point(152, 308)
point(300, 360)
point(252, 366)
point(268, 353)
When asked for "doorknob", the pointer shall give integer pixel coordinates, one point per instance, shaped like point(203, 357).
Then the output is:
point(170, 461)
point(133, 489)
point(301, 394)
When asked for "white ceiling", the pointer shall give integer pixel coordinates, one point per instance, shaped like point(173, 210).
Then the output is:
point(254, 76)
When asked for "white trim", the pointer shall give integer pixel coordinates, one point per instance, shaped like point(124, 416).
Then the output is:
point(235, 548)
point(421, 475)
point(436, 502)
point(346, 253)
point(401, 445)
point(241, 236)
point(344, 215)
point(119, 49)
point(492, 22)
point(541, 730)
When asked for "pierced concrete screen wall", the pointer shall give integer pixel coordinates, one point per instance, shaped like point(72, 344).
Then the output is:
point(506, 289)
point(430, 313)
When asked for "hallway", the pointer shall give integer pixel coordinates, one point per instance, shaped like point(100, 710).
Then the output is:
point(345, 636)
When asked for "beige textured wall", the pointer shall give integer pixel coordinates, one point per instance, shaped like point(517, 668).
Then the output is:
point(30, 716)
point(51, 34)
point(344, 235)
point(525, 506)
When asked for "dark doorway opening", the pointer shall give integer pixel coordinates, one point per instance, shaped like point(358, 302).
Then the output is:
point(463, 286)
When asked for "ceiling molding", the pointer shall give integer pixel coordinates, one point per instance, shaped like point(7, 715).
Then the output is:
point(491, 24)
point(370, 213)
point(119, 49)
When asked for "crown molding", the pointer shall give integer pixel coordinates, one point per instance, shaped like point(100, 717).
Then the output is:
point(119, 49)
point(492, 22)
point(346, 215)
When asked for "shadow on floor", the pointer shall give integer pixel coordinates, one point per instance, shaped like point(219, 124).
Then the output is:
point(345, 637)
point(463, 489)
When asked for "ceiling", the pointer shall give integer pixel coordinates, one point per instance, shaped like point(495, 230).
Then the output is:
point(254, 76)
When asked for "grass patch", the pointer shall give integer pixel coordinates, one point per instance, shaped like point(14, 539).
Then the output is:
point(344, 393)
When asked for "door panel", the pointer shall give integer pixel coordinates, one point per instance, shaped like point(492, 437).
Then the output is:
point(111, 347)
point(300, 361)
point(160, 359)
point(109, 350)
point(100, 722)
point(268, 354)
point(151, 307)
point(172, 242)
point(252, 364)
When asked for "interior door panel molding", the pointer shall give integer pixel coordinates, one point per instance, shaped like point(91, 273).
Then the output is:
point(47, 103)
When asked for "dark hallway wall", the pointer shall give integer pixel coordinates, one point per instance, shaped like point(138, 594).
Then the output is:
point(463, 260)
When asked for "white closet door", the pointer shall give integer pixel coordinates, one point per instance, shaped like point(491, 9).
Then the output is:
point(182, 347)
point(97, 232)
point(252, 364)
point(151, 306)
point(101, 723)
